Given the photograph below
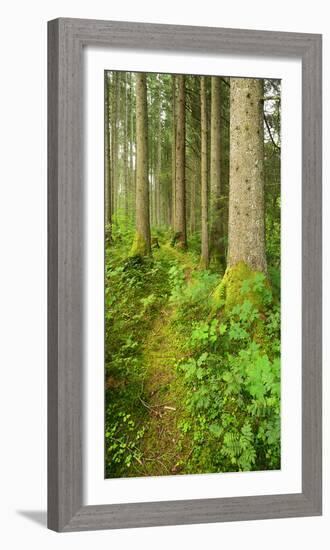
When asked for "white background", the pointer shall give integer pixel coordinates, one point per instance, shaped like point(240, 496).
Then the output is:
point(23, 273)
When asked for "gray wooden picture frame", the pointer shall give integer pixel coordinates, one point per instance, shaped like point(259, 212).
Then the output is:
point(66, 40)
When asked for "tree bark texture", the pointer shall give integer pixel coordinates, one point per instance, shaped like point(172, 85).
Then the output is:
point(115, 107)
point(246, 228)
point(173, 147)
point(204, 172)
point(126, 143)
point(215, 175)
point(159, 161)
point(142, 241)
point(131, 147)
point(180, 187)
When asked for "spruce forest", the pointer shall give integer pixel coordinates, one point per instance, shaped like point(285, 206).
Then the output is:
point(192, 274)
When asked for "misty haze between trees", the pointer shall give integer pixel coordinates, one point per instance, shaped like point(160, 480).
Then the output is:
point(192, 274)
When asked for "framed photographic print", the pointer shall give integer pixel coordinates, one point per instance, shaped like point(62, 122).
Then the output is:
point(184, 185)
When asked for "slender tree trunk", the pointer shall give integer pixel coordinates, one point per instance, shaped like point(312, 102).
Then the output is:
point(224, 166)
point(107, 163)
point(204, 186)
point(173, 147)
point(131, 139)
point(193, 201)
point(159, 159)
point(153, 196)
point(246, 195)
point(115, 140)
point(142, 241)
point(180, 187)
point(126, 186)
point(215, 176)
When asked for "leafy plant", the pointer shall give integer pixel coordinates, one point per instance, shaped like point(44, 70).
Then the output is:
point(233, 386)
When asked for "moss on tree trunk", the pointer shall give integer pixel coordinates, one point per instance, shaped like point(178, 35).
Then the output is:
point(246, 227)
point(140, 246)
point(229, 291)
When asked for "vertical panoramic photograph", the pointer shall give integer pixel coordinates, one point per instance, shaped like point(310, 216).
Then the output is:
point(192, 226)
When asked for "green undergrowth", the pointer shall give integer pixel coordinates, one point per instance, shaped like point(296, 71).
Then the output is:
point(135, 291)
point(192, 385)
point(232, 379)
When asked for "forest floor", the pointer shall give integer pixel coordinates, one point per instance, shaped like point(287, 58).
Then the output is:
point(164, 388)
point(162, 441)
point(163, 448)
point(172, 366)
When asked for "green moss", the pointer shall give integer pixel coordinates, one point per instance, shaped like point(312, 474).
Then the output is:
point(219, 295)
point(228, 292)
point(139, 246)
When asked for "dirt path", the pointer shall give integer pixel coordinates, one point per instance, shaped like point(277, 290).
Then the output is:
point(163, 447)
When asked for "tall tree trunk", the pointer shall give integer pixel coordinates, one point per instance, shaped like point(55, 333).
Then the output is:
point(204, 186)
point(224, 165)
point(246, 194)
point(112, 142)
point(126, 186)
point(159, 159)
point(115, 140)
point(192, 218)
point(173, 147)
point(142, 240)
point(131, 139)
point(215, 176)
point(153, 197)
point(193, 202)
point(107, 163)
point(180, 187)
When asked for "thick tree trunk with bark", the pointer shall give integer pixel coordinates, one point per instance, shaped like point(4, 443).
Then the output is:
point(246, 231)
point(142, 241)
point(204, 186)
point(215, 175)
point(180, 187)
